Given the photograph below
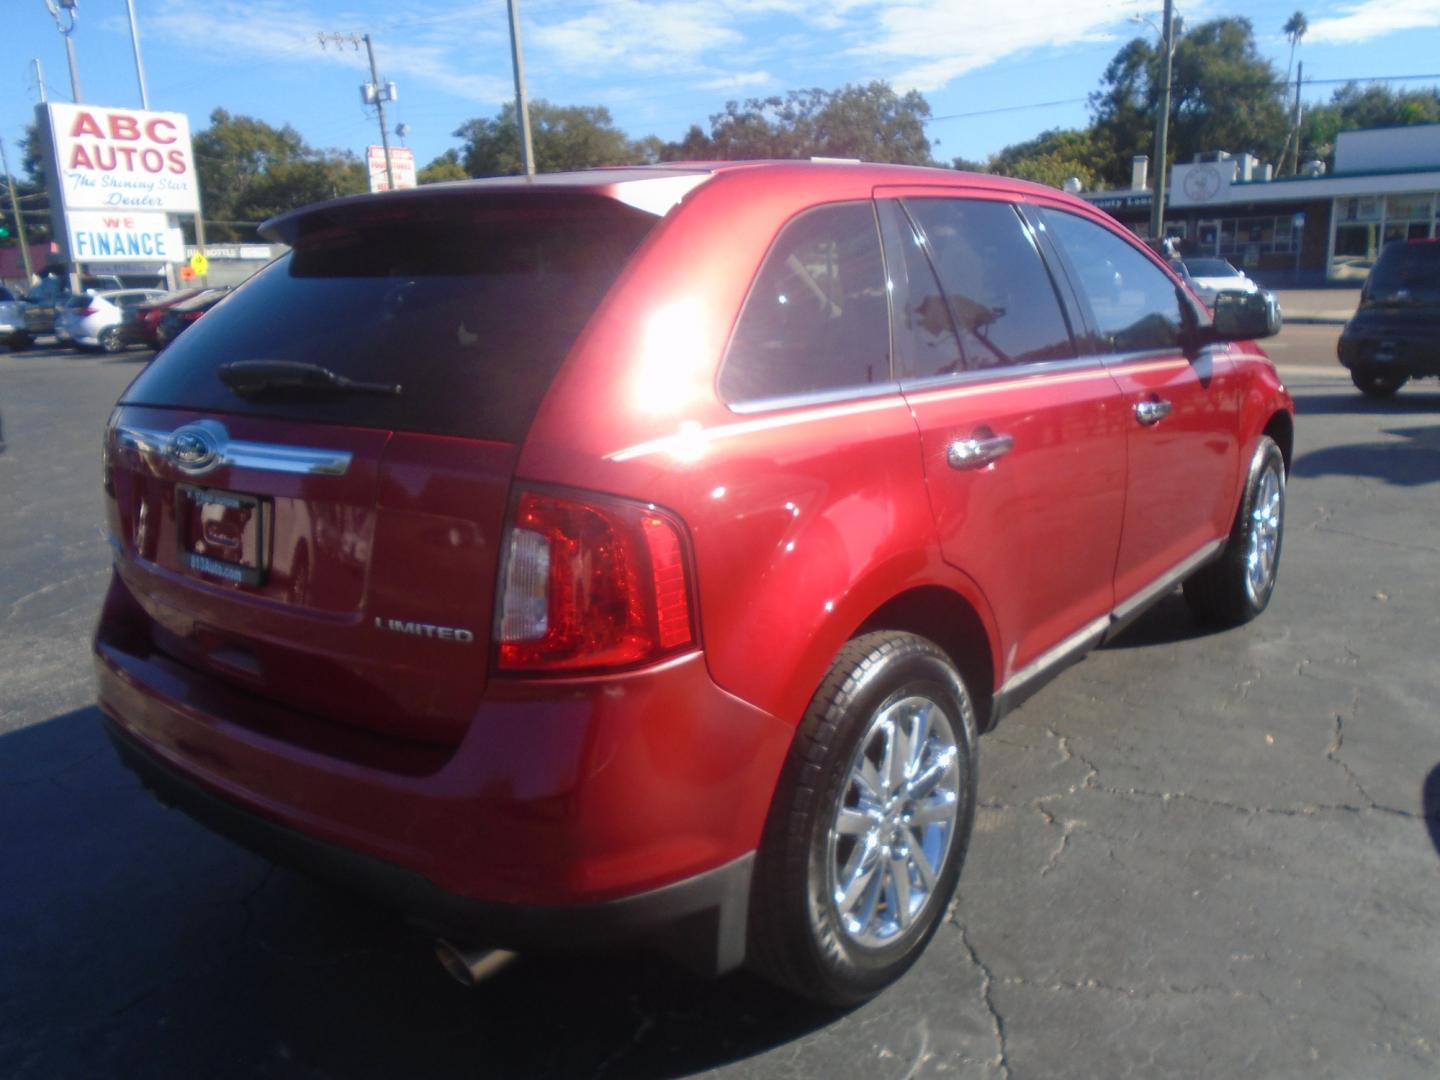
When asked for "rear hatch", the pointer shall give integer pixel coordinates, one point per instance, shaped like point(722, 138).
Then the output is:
point(1400, 302)
point(309, 487)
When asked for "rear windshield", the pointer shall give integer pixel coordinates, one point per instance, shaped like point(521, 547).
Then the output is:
point(1408, 271)
point(1210, 268)
point(470, 305)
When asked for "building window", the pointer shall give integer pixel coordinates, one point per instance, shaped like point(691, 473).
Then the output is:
point(1365, 224)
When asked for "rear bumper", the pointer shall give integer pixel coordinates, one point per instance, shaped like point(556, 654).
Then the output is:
point(699, 920)
point(1374, 348)
point(624, 806)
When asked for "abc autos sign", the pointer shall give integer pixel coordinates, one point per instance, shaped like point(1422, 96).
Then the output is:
point(123, 160)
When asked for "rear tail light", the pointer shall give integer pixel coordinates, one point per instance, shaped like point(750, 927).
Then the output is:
point(590, 584)
point(87, 311)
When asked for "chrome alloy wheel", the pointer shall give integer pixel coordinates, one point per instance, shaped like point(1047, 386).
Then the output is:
point(894, 822)
point(1266, 519)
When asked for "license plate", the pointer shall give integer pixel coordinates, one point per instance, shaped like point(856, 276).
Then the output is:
point(221, 534)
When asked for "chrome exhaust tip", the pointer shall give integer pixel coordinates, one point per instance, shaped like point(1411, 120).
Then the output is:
point(470, 966)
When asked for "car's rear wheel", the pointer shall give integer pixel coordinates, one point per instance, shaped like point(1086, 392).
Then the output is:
point(1238, 585)
point(110, 341)
point(20, 342)
point(1378, 384)
point(870, 822)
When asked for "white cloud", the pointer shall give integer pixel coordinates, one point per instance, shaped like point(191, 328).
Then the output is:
point(267, 31)
point(1372, 19)
point(740, 80)
point(942, 40)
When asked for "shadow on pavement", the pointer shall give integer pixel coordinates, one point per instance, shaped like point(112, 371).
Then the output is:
point(1352, 403)
point(1168, 622)
point(1430, 801)
point(136, 943)
point(1405, 464)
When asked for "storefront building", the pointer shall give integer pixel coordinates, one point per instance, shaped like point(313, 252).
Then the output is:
point(1311, 229)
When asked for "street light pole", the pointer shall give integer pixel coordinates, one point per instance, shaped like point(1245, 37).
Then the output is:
point(139, 64)
point(1162, 128)
point(66, 26)
point(522, 105)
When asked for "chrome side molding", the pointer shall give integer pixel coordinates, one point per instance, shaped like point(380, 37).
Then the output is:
point(204, 446)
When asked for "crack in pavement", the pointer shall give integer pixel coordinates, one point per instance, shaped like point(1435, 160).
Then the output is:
point(1001, 1060)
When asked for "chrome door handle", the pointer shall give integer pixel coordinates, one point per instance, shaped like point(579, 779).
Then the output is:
point(1152, 412)
point(979, 450)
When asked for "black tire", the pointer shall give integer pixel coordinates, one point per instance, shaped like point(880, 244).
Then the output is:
point(1378, 384)
point(20, 342)
point(798, 937)
point(110, 340)
point(1238, 585)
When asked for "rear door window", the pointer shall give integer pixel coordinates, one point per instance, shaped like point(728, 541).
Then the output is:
point(469, 305)
point(817, 318)
point(1406, 271)
point(1002, 300)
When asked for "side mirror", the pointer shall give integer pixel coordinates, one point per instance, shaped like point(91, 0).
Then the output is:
point(1244, 316)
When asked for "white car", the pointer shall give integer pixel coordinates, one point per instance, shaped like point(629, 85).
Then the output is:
point(92, 320)
point(1208, 276)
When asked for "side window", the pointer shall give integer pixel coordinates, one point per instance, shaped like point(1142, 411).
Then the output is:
point(1003, 301)
point(1135, 306)
point(816, 318)
point(925, 339)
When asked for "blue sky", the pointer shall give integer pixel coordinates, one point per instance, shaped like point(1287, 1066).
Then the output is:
point(659, 65)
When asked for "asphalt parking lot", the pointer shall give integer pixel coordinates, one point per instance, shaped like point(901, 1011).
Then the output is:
point(1197, 854)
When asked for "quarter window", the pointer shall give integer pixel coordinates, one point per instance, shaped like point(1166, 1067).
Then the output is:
point(1134, 304)
point(1001, 297)
point(816, 319)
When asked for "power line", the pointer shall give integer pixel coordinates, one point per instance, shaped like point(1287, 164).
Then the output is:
point(1270, 85)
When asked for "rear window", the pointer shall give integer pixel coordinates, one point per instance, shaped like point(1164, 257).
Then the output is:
point(1210, 268)
point(469, 305)
point(1408, 270)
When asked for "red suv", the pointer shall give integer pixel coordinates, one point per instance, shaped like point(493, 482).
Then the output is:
point(634, 555)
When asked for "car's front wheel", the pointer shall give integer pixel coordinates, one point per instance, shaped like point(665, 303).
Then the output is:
point(1378, 384)
point(20, 342)
point(870, 822)
point(1238, 585)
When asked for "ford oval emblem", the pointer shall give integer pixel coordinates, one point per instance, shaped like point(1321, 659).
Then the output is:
point(193, 449)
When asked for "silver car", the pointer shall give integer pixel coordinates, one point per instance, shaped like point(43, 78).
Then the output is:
point(92, 320)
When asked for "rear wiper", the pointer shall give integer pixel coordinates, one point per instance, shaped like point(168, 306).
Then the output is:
point(263, 378)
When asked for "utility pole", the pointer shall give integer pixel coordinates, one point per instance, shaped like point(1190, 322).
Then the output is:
point(522, 105)
point(66, 26)
point(139, 65)
point(19, 216)
point(374, 92)
point(40, 79)
point(1162, 128)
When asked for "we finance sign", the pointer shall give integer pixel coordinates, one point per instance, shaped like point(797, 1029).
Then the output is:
point(98, 236)
point(122, 159)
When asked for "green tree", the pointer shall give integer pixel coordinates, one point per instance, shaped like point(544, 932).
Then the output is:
point(1052, 157)
point(1224, 96)
point(1355, 106)
point(870, 122)
point(250, 170)
point(565, 137)
point(445, 167)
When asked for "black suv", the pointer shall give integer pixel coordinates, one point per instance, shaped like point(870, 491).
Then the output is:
point(1395, 335)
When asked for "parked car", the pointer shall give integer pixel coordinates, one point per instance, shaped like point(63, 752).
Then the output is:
point(13, 331)
point(92, 320)
point(181, 314)
point(1394, 336)
point(45, 299)
point(142, 324)
point(635, 557)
